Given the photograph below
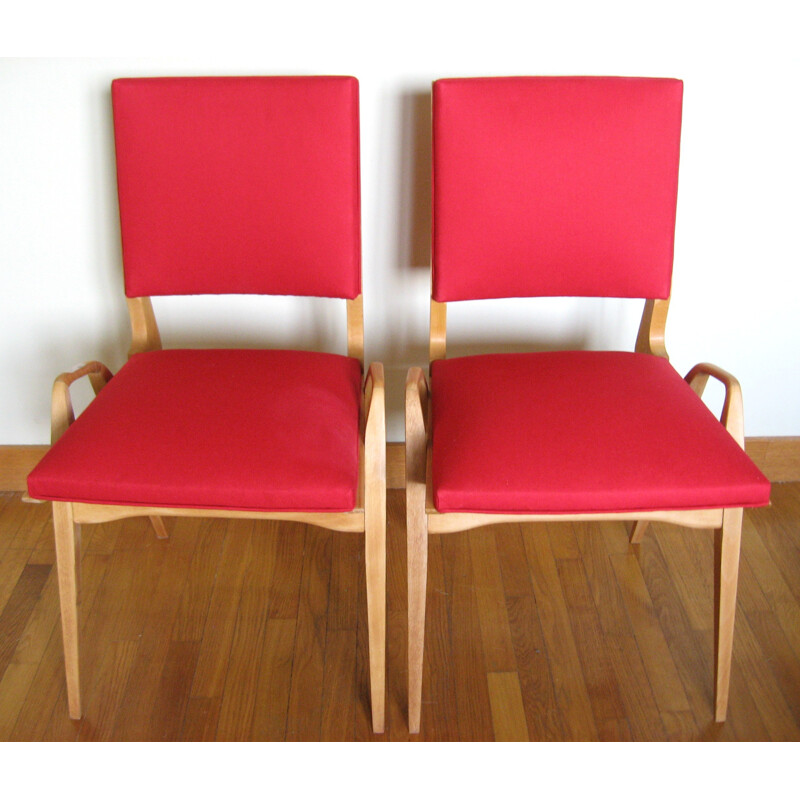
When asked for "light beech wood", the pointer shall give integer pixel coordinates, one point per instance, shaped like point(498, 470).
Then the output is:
point(423, 518)
point(94, 513)
point(417, 535)
point(727, 545)
point(61, 412)
point(158, 526)
point(355, 328)
point(454, 521)
point(727, 537)
point(438, 340)
point(652, 328)
point(375, 531)
point(67, 557)
point(638, 530)
point(650, 340)
point(732, 416)
point(144, 329)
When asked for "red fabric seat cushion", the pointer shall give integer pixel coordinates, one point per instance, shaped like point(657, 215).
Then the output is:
point(554, 186)
point(239, 185)
point(270, 430)
point(580, 432)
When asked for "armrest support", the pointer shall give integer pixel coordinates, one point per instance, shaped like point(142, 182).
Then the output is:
point(373, 390)
point(62, 414)
point(416, 428)
point(375, 426)
point(732, 416)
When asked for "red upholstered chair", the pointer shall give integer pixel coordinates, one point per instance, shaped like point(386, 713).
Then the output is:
point(229, 185)
point(565, 187)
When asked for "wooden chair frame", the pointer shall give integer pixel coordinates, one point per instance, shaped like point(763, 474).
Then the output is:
point(368, 517)
point(423, 519)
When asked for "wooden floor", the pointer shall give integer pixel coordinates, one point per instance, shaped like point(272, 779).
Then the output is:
point(257, 630)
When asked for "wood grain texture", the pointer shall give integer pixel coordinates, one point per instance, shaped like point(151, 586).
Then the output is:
point(508, 712)
point(587, 616)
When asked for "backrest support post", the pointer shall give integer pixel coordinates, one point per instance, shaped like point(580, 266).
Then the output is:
point(438, 338)
point(144, 329)
point(355, 328)
point(651, 329)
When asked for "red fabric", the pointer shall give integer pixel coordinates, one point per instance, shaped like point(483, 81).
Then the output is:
point(239, 185)
point(580, 432)
point(270, 430)
point(554, 186)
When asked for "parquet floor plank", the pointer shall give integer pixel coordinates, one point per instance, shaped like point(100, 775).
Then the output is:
point(236, 712)
point(305, 697)
point(569, 684)
point(439, 705)
point(271, 700)
point(508, 712)
point(468, 665)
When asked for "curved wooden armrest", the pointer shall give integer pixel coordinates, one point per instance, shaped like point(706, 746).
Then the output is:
point(61, 412)
point(732, 416)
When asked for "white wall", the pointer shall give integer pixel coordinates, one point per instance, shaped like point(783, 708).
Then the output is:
point(735, 288)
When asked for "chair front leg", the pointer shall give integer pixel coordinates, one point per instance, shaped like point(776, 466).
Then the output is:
point(417, 537)
point(417, 532)
point(727, 546)
point(375, 545)
point(67, 558)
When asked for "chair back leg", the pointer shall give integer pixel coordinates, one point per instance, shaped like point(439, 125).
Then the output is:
point(727, 545)
point(638, 531)
point(68, 560)
point(159, 527)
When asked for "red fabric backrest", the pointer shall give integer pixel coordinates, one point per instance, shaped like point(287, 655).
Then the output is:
point(554, 186)
point(239, 185)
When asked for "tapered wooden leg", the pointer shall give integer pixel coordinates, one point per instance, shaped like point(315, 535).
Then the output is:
point(67, 556)
point(416, 536)
point(160, 529)
point(417, 528)
point(375, 534)
point(639, 527)
point(727, 546)
point(375, 561)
